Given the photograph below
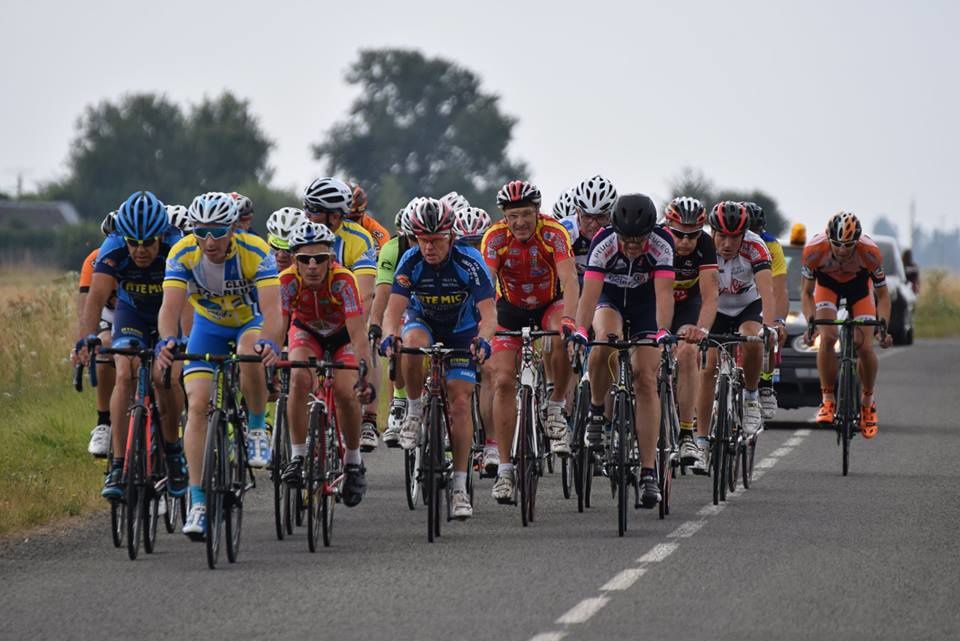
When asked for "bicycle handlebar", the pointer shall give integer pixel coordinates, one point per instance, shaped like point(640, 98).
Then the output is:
point(534, 333)
point(722, 340)
point(437, 349)
point(848, 321)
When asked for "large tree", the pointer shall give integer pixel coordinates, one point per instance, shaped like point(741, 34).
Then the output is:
point(420, 126)
point(145, 141)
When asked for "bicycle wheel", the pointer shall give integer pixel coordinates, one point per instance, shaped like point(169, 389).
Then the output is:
point(735, 447)
point(665, 450)
point(153, 496)
point(332, 476)
point(411, 475)
point(118, 522)
point(433, 460)
point(522, 471)
point(534, 472)
point(134, 494)
point(235, 489)
point(278, 462)
point(214, 482)
point(579, 452)
point(718, 442)
point(314, 476)
point(622, 446)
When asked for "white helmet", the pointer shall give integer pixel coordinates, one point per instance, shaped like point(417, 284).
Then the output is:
point(470, 223)
point(310, 233)
point(180, 218)
point(213, 208)
point(329, 194)
point(109, 224)
point(595, 195)
point(455, 201)
point(564, 206)
point(281, 224)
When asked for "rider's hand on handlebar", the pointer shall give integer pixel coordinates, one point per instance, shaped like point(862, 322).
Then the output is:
point(374, 333)
point(388, 345)
point(480, 348)
point(269, 351)
point(366, 393)
point(692, 333)
point(663, 336)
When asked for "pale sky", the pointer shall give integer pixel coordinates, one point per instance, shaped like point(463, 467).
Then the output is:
point(823, 104)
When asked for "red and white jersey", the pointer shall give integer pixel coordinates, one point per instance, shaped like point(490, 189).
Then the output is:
point(738, 287)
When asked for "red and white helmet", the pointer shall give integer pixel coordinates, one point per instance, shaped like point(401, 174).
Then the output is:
point(518, 192)
point(470, 223)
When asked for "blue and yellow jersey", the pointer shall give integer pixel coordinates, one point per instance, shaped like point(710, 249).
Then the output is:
point(778, 262)
point(225, 294)
point(354, 249)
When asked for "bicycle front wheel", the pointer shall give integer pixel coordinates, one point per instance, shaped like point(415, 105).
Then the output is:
point(153, 496)
point(235, 489)
point(332, 476)
point(523, 471)
point(313, 481)
point(622, 426)
point(134, 494)
point(433, 466)
point(278, 462)
point(214, 483)
point(665, 448)
point(718, 445)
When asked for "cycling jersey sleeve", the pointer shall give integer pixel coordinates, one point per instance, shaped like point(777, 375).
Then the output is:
point(810, 259)
point(872, 260)
point(756, 252)
point(359, 252)
point(387, 262)
point(109, 257)
point(481, 281)
point(289, 289)
point(778, 263)
point(86, 271)
point(403, 278)
point(708, 252)
point(178, 273)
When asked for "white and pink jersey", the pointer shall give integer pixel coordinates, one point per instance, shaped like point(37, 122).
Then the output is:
point(738, 287)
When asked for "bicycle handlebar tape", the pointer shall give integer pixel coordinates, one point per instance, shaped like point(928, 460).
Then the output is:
point(78, 377)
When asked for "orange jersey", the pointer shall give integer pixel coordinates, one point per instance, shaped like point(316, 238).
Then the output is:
point(865, 261)
point(378, 231)
point(527, 271)
point(326, 309)
point(86, 272)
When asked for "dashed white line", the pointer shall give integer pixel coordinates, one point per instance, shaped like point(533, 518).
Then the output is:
point(766, 463)
point(583, 610)
point(686, 530)
point(780, 452)
point(623, 580)
point(803, 432)
point(710, 509)
point(658, 553)
point(549, 636)
point(793, 442)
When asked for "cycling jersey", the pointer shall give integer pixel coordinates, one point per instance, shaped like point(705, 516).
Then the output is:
point(819, 263)
point(354, 249)
point(527, 271)
point(226, 293)
point(445, 296)
point(86, 279)
point(324, 310)
point(688, 269)
point(778, 262)
point(580, 245)
point(377, 231)
point(139, 288)
point(389, 257)
point(738, 287)
point(629, 282)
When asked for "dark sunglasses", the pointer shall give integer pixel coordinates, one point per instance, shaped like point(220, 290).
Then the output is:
point(846, 245)
point(632, 239)
point(211, 232)
point(686, 235)
point(320, 211)
point(319, 259)
point(135, 242)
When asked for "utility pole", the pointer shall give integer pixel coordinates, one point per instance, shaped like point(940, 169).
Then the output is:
point(913, 216)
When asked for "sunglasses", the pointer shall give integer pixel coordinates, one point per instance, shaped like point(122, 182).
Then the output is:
point(320, 211)
point(318, 259)
point(215, 233)
point(135, 242)
point(594, 216)
point(686, 235)
point(846, 245)
point(632, 239)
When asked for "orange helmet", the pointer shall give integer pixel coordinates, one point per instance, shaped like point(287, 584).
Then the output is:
point(844, 227)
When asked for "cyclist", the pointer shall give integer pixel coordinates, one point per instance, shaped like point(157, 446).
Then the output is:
point(778, 267)
point(131, 261)
point(99, 445)
point(329, 201)
point(628, 291)
point(230, 280)
point(444, 293)
point(179, 219)
point(321, 301)
point(745, 305)
point(455, 201)
point(387, 261)
point(358, 214)
point(695, 291)
point(529, 256)
point(469, 226)
point(280, 225)
point(592, 202)
point(564, 206)
point(843, 262)
point(245, 207)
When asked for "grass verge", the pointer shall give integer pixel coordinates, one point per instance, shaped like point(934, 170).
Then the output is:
point(938, 306)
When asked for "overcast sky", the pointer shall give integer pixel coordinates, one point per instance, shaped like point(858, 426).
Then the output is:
point(824, 105)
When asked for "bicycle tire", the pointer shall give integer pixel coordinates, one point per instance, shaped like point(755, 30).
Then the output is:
point(566, 476)
point(433, 455)
point(620, 459)
point(134, 490)
point(332, 475)
point(214, 479)
point(718, 445)
point(152, 496)
point(521, 466)
point(234, 491)
point(665, 450)
point(411, 475)
point(579, 451)
point(278, 462)
point(313, 481)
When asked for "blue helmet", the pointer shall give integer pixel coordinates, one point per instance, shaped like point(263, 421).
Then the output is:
point(142, 216)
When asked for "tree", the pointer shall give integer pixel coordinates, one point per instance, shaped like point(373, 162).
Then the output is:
point(885, 227)
point(693, 182)
point(776, 221)
point(419, 126)
point(144, 141)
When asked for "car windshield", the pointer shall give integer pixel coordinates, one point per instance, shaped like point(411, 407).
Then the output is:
point(792, 255)
point(891, 261)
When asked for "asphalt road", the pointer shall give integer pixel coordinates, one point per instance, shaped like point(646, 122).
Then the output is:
point(804, 554)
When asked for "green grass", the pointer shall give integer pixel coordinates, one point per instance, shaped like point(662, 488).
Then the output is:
point(938, 306)
point(45, 471)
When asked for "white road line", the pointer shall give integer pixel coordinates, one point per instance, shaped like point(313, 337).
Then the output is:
point(623, 580)
point(658, 553)
point(686, 530)
point(549, 636)
point(583, 611)
point(710, 509)
point(803, 432)
point(758, 474)
point(766, 463)
point(793, 442)
point(781, 452)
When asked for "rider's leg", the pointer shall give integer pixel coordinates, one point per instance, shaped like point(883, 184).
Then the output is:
point(646, 361)
point(302, 382)
point(504, 367)
point(606, 321)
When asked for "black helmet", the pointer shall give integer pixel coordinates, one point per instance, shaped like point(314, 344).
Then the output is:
point(729, 218)
point(634, 215)
point(757, 219)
